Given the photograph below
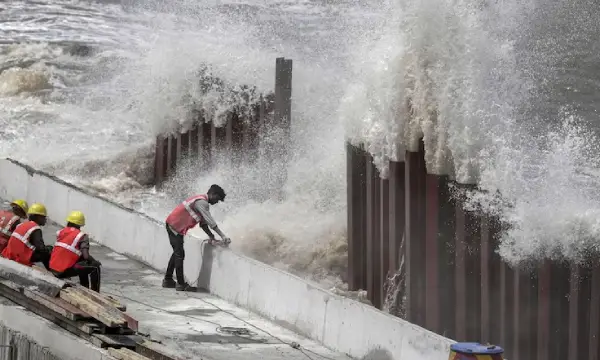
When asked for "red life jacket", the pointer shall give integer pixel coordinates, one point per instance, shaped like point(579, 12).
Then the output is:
point(185, 216)
point(19, 248)
point(66, 251)
point(7, 220)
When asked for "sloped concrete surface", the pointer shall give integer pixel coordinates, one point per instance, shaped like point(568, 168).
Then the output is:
point(195, 325)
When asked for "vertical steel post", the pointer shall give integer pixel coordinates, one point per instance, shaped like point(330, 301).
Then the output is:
point(439, 234)
point(491, 267)
point(384, 242)
point(356, 166)
point(468, 272)
point(159, 160)
point(414, 236)
point(373, 233)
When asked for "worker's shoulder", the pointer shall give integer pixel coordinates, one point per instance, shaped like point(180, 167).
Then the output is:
point(201, 202)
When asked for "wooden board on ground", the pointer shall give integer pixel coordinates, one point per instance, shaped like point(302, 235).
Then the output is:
point(110, 317)
point(57, 305)
point(125, 354)
point(155, 351)
point(103, 299)
point(81, 329)
point(114, 340)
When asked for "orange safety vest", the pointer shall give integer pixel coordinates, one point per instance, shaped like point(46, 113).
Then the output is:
point(19, 248)
point(66, 251)
point(7, 220)
point(184, 216)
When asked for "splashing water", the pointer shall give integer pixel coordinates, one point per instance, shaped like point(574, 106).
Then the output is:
point(486, 85)
point(86, 85)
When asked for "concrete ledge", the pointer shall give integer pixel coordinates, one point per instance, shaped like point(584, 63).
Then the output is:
point(62, 344)
point(24, 275)
point(342, 324)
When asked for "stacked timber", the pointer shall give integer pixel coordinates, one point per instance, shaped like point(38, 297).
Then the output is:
point(97, 318)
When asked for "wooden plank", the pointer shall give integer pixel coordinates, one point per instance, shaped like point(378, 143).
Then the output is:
point(155, 351)
point(57, 305)
point(118, 341)
point(41, 299)
point(98, 311)
point(82, 330)
point(131, 322)
point(105, 300)
point(108, 305)
point(125, 354)
point(25, 276)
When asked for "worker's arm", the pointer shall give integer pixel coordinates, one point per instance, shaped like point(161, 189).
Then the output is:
point(37, 240)
point(84, 247)
point(206, 229)
point(14, 226)
point(202, 206)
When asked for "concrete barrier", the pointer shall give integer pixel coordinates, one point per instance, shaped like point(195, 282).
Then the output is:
point(341, 324)
point(26, 336)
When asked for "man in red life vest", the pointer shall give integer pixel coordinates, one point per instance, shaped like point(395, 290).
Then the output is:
point(191, 212)
point(9, 219)
point(26, 244)
point(71, 257)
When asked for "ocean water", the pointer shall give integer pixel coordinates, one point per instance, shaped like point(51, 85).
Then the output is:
point(505, 94)
point(85, 86)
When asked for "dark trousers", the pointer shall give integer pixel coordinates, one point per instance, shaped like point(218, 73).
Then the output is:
point(42, 256)
point(87, 273)
point(176, 260)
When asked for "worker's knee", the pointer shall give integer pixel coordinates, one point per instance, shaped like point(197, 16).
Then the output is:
point(179, 255)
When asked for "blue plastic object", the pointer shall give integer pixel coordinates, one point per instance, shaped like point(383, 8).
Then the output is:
point(476, 348)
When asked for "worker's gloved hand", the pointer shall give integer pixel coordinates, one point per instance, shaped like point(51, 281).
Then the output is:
point(226, 240)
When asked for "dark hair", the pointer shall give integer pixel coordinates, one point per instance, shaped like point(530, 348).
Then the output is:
point(217, 190)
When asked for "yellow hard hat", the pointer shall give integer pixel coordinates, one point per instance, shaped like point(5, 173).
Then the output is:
point(22, 204)
point(76, 217)
point(37, 209)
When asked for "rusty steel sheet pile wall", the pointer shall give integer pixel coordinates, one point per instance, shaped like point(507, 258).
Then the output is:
point(456, 284)
point(239, 137)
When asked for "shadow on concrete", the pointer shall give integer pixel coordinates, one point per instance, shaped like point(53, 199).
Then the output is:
point(378, 354)
point(196, 312)
point(224, 339)
point(205, 268)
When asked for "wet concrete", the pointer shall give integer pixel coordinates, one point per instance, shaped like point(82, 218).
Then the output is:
point(195, 325)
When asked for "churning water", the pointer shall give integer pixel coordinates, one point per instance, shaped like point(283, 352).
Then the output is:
point(86, 85)
point(505, 94)
point(503, 91)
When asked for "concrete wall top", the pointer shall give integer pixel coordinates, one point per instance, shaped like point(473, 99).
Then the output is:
point(60, 342)
point(341, 324)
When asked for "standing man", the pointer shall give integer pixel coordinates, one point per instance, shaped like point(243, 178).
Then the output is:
point(191, 212)
point(26, 244)
point(9, 219)
point(71, 257)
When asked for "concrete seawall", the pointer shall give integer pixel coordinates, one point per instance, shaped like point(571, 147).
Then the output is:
point(26, 336)
point(341, 324)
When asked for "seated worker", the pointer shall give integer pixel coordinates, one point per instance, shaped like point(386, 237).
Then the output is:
point(71, 257)
point(26, 244)
point(9, 219)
